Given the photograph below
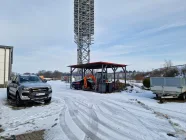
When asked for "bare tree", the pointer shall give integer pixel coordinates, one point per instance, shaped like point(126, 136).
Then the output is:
point(184, 70)
point(168, 64)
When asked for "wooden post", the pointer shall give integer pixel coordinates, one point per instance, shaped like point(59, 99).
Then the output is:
point(125, 75)
point(71, 71)
point(82, 73)
point(71, 77)
point(102, 79)
point(114, 79)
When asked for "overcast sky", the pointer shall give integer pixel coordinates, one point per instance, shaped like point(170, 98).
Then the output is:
point(140, 33)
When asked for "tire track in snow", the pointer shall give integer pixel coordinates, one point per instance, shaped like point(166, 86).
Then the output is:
point(65, 127)
point(161, 126)
point(117, 112)
point(100, 131)
point(111, 118)
point(131, 115)
point(110, 108)
point(112, 128)
point(93, 124)
point(72, 111)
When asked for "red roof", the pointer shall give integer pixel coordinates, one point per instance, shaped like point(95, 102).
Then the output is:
point(97, 65)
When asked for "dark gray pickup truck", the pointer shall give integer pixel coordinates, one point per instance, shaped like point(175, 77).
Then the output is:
point(26, 88)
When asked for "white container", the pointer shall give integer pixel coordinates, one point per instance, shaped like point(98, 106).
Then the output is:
point(6, 60)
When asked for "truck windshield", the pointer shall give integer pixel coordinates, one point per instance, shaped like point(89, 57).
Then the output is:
point(29, 79)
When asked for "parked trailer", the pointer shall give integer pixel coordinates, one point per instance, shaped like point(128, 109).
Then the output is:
point(168, 87)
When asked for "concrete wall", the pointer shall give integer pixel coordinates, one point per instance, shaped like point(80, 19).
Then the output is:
point(5, 65)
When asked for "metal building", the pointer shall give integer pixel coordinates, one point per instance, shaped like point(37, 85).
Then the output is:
point(83, 28)
point(6, 61)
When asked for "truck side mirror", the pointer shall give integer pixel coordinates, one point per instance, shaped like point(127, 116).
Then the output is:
point(44, 81)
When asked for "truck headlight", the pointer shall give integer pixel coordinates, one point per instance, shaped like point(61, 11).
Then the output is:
point(49, 89)
point(25, 88)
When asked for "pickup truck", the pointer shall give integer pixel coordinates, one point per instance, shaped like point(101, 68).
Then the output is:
point(28, 88)
point(168, 87)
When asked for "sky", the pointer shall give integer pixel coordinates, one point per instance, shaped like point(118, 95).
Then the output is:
point(139, 33)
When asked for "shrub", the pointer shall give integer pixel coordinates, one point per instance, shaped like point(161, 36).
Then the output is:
point(146, 82)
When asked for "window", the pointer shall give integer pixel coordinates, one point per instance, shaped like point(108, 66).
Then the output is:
point(29, 79)
point(13, 78)
point(17, 79)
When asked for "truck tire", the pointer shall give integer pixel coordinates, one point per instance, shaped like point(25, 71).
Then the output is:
point(48, 100)
point(18, 100)
point(8, 94)
point(184, 96)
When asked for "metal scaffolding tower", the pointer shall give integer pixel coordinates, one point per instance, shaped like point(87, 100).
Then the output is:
point(83, 28)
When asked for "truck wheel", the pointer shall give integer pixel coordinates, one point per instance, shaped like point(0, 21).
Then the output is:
point(184, 96)
point(18, 100)
point(48, 100)
point(8, 94)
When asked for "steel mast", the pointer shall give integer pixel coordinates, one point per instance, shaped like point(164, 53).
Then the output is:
point(83, 29)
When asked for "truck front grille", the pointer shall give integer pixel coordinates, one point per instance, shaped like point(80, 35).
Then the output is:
point(39, 89)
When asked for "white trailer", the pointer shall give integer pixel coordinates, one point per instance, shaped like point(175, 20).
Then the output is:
point(6, 60)
point(169, 87)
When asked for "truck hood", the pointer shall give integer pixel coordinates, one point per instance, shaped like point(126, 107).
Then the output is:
point(35, 85)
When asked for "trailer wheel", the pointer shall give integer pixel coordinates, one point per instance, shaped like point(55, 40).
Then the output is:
point(157, 96)
point(161, 100)
point(184, 96)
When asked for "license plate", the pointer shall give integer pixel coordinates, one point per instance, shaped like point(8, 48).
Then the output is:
point(40, 94)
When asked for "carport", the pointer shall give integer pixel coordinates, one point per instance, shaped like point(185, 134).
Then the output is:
point(104, 66)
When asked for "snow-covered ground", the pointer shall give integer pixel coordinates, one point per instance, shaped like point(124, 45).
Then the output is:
point(80, 115)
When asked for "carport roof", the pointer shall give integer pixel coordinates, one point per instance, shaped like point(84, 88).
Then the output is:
point(97, 65)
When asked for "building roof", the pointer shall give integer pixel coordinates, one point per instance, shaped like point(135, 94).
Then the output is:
point(8, 47)
point(97, 65)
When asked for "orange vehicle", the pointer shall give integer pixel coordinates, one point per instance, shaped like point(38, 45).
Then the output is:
point(42, 77)
point(88, 77)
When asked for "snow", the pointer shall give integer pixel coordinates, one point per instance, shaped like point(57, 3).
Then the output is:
point(76, 115)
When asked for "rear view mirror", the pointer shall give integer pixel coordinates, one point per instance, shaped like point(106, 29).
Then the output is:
point(44, 81)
